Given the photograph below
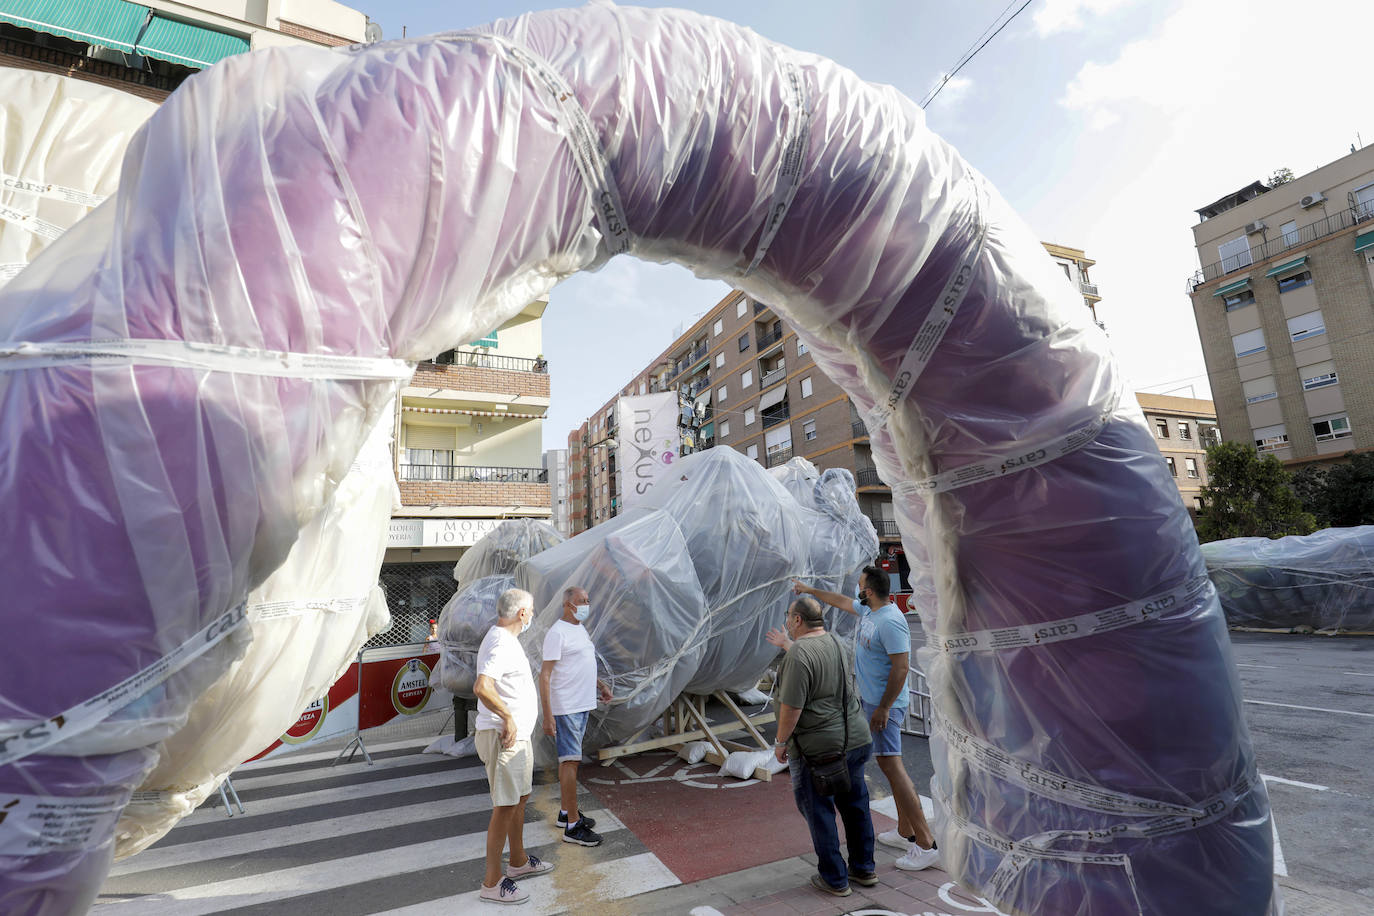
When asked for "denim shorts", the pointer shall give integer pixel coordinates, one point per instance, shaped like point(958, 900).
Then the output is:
point(567, 735)
point(888, 742)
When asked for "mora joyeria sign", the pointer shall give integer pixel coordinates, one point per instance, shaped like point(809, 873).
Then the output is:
point(649, 442)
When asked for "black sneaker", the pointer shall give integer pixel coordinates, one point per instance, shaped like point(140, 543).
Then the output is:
point(562, 820)
point(863, 878)
point(581, 835)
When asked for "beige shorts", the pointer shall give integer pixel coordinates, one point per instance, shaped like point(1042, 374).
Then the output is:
point(510, 771)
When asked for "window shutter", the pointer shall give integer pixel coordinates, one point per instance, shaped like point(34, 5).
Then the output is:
point(440, 437)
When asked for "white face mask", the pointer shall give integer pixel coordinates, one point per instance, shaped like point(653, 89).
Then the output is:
point(526, 624)
point(581, 612)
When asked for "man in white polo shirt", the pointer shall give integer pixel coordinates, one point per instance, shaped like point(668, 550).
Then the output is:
point(568, 690)
point(507, 708)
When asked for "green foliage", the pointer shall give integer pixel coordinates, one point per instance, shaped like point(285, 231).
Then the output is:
point(1280, 176)
point(1309, 483)
point(1249, 495)
point(1350, 492)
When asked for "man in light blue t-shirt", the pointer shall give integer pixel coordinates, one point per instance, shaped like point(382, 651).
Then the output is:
point(882, 661)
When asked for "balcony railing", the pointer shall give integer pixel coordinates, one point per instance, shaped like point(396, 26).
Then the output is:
point(465, 474)
point(858, 429)
point(69, 62)
point(768, 379)
point(776, 417)
point(482, 360)
point(886, 528)
point(687, 361)
point(868, 477)
point(1088, 289)
point(763, 341)
point(759, 307)
point(1341, 219)
point(777, 456)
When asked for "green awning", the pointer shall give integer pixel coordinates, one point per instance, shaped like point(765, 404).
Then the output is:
point(1364, 240)
point(186, 44)
point(1286, 268)
point(108, 23)
point(1233, 287)
point(708, 430)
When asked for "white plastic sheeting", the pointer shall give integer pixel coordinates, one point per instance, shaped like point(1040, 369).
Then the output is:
point(306, 217)
point(61, 141)
point(1322, 581)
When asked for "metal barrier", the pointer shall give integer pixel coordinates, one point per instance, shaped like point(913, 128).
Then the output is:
point(917, 720)
point(393, 682)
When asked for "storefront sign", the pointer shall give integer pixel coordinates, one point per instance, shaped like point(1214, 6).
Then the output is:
point(457, 532)
point(406, 532)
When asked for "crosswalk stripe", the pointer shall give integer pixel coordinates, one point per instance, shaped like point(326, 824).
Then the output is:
point(327, 756)
point(566, 890)
point(249, 781)
point(283, 884)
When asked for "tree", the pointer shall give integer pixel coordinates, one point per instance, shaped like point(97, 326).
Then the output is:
point(1310, 485)
point(1280, 176)
point(1350, 492)
point(1249, 495)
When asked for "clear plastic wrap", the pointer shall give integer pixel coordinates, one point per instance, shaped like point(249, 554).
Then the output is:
point(499, 552)
point(1322, 582)
point(208, 347)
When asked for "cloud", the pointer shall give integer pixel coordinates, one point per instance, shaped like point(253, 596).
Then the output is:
point(955, 90)
point(1067, 15)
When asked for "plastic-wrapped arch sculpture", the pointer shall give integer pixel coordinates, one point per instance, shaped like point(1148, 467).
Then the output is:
point(376, 204)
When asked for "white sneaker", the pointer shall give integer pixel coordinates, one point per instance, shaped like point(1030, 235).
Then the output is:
point(894, 839)
point(505, 891)
point(917, 858)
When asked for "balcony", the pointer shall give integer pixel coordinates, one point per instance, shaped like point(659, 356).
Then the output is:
point(868, 477)
point(691, 359)
point(886, 528)
point(480, 359)
point(764, 341)
point(771, 378)
point(464, 474)
point(773, 417)
point(759, 307)
point(1341, 219)
point(858, 429)
point(1088, 289)
point(777, 456)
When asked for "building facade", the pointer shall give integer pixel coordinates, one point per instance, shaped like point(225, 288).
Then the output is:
point(1183, 430)
point(149, 47)
point(1075, 263)
point(468, 454)
point(747, 381)
point(556, 467)
point(1284, 305)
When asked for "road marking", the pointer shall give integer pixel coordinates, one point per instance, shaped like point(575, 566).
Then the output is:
point(1244, 665)
point(1293, 782)
point(246, 781)
point(300, 757)
point(1280, 866)
point(1340, 712)
point(1357, 673)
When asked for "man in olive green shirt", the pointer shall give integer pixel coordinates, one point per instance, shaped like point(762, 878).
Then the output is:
point(816, 696)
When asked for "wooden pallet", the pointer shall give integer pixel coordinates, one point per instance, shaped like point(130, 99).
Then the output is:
point(685, 720)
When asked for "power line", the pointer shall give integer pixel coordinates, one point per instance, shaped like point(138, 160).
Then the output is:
point(969, 56)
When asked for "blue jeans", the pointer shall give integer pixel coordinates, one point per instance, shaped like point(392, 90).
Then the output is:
point(819, 811)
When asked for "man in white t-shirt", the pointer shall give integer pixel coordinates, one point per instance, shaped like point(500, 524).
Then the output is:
point(507, 707)
point(568, 690)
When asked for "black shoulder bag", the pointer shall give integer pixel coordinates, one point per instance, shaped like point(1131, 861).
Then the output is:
point(830, 772)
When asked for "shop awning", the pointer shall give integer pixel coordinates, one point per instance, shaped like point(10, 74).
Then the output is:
point(508, 414)
point(1287, 267)
point(186, 44)
point(772, 397)
point(1233, 287)
point(1364, 240)
point(108, 23)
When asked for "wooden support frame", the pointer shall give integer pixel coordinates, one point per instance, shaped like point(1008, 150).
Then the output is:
point(685, 720)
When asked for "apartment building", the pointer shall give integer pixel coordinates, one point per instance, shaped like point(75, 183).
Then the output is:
point(1183, 429)
point(1075, 263)
point(556, 466)
point(468, 453)
point(150, 47)
point(1284, 305)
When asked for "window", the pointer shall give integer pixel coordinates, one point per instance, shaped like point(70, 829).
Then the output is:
point(717, 328)
point(809, 430)
point(1260, 389)
point(1318, 375)
point(720, 360)
point(1234, 254)
point(1191, 465)
point(741, 307)
point(1184, 432)
point(642, 386)
point(1308, 325)
point(749, 416)
point(1270, 438)
point(801, 348)
point(724, 428)
point(1294, 281)
point(746, 378)
point(806, 387)
point(1248, 343)
point(1162, 429)
point(721, 392)
point(1239, 300)
point(1332, 427)
point(1173, 468)
point(752, 452)
point(1197, 503)
point(1290, 232)
point(743, 342)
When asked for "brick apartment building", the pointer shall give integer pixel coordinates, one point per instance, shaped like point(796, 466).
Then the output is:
point(1284, 305)
point(756, 389)
point(468, 440)
point(1183, 429)
point(149, 47)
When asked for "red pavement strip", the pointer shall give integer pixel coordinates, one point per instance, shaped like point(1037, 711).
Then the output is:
point(698, 824)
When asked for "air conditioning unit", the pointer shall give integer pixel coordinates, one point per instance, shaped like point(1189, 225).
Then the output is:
point(1256, 226)
point(1311, 200)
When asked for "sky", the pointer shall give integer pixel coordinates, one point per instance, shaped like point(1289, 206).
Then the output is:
point(1104, 123)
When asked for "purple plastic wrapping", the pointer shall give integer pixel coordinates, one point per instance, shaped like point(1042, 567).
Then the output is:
point(187, 374)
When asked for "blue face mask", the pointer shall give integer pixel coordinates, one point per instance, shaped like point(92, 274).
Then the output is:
point(581, 612)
